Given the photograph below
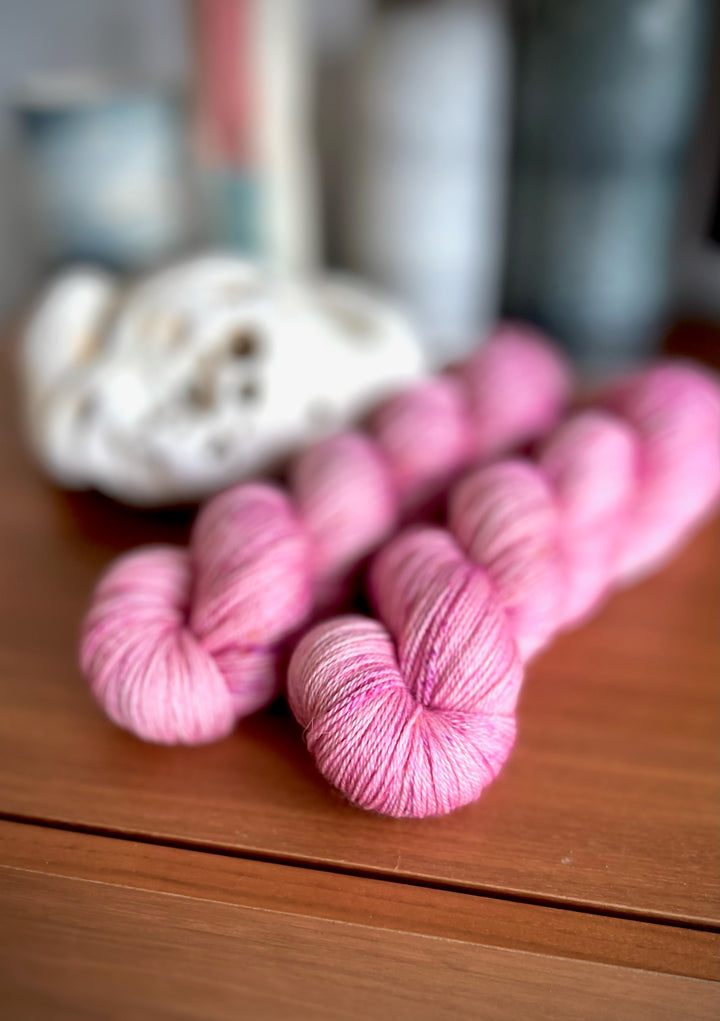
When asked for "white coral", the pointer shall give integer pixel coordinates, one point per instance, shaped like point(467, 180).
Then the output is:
point(201, 374)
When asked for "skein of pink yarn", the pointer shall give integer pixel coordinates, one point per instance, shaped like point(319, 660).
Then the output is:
point(179, 644)
point(413, 714)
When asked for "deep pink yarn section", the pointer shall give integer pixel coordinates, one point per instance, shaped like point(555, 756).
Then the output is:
point(178, 644)
point(413, 713)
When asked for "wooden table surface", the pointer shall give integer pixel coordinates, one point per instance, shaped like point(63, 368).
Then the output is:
point(231, 880)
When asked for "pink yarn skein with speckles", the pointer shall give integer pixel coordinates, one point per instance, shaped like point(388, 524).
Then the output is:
point(179, 644)
point(413, 714)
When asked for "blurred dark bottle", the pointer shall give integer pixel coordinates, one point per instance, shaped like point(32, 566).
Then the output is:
point(607, 101)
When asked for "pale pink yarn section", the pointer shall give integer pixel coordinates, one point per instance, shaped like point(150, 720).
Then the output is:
point(413, 714)
point(180, 644)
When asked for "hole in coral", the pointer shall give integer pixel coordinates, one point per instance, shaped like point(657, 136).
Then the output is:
point(200, 395)
point(86, 409)
point(219, 447)
point(249, 391)
point(245, 344)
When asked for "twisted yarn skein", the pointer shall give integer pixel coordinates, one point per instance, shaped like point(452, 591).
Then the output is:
point(178, 644)
point(413, 713)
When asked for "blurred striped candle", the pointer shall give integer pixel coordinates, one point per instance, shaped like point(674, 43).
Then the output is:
point(253, 108)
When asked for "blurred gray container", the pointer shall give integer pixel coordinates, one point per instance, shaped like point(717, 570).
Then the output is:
point(427, 168)
point(608, 95)
point(105, 171)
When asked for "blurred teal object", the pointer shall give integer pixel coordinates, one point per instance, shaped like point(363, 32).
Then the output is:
point(105, 170)
point(607, 101)
point(234, 201)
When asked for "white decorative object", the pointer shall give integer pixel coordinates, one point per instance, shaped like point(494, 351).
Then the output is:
point(201, 374)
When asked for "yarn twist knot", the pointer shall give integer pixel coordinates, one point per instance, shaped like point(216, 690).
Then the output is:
point(180, 643)
point(413, 714)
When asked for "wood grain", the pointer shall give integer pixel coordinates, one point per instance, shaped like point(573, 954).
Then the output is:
point(609, 801)
point(383, 903)
point(107, 928)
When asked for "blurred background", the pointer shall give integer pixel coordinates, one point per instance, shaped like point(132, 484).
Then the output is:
point(555, 160)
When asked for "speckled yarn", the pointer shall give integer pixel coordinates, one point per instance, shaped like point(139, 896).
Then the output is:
point(413, 714)
point(180, 643)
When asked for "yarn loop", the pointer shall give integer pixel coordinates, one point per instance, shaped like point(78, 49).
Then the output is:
point(413, 714)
